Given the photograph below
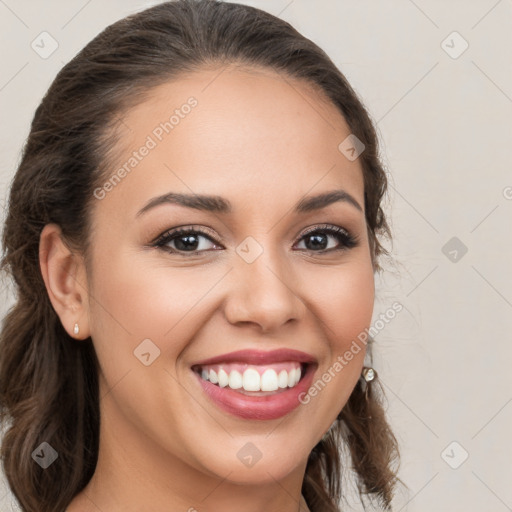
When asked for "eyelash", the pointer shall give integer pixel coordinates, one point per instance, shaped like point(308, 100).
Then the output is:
point(347, 240)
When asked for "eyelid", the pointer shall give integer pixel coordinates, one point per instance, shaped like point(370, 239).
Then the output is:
point(320, 227)
point(204, 230)
point(351, 239)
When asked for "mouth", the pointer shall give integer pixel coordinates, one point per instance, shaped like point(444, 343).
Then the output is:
point(253, 380)
point(255, 384)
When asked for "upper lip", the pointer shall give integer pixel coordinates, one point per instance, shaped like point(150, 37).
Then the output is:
point(252, 356)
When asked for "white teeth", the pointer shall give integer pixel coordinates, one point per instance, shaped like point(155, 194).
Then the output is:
point(283, 379)
point(251, 380)
point(213, 377)
point(291, 378)
point(223, 378)
point(235, 380)
point(269, 380)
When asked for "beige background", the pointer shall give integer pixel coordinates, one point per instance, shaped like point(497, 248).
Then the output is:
point(445, 124)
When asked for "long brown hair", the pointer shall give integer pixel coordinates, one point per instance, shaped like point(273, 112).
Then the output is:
point(48, 383)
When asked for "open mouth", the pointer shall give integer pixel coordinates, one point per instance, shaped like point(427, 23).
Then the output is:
point(263, 391)
point(252, 379)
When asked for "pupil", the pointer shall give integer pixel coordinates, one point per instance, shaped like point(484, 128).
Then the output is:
point(316, 241)
point(188, 244)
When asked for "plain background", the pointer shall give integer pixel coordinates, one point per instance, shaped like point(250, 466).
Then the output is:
point(444, 120)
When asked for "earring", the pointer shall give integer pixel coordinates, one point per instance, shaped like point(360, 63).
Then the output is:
point(368, 375)
point(76, 329)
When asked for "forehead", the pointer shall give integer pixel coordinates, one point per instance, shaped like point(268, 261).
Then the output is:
point(233, 131)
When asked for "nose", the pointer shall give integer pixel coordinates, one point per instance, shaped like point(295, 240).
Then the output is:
point(263, 293)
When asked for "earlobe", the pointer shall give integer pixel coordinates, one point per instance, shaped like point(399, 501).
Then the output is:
point(64, 277)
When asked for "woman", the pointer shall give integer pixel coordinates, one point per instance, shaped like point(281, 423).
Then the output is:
point(193, 231)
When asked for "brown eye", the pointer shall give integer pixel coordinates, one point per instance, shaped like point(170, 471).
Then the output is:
point(185, 241)
point(317, 239)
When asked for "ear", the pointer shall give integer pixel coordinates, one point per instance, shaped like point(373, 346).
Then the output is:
point(65, 278)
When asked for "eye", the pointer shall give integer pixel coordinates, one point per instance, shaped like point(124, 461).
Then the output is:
point(186, 240)
point(317, 239)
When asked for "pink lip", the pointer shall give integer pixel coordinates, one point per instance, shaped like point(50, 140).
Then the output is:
point(251, 356)
point(267, 407)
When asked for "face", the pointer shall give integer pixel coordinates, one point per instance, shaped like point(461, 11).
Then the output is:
point(258, 269)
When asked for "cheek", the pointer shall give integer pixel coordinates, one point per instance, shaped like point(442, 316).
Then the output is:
point(345, 307)
point(344, 302)
point(134, 301)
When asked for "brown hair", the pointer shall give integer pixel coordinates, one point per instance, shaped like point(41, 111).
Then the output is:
point(48, 383)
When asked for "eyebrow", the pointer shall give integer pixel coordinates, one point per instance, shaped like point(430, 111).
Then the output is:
point(219, 204)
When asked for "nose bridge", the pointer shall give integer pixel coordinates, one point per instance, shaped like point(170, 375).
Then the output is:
point(263, 289)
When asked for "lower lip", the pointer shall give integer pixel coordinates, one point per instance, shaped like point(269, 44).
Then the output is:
point(268, 407)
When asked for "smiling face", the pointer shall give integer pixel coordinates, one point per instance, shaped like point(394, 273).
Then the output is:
point(248, 277)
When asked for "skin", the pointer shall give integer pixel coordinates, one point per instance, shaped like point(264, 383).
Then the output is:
point(262, 142)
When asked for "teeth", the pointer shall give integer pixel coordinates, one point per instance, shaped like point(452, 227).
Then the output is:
point(223, 378)
point(291, 379)
point(296, 377)
point(269, 380)
point(235, 380)
point(212, 376)
point(250, 379)
point(282, 379)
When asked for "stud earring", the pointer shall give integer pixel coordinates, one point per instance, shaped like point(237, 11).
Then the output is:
point(368, 374)
point(76, 329)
